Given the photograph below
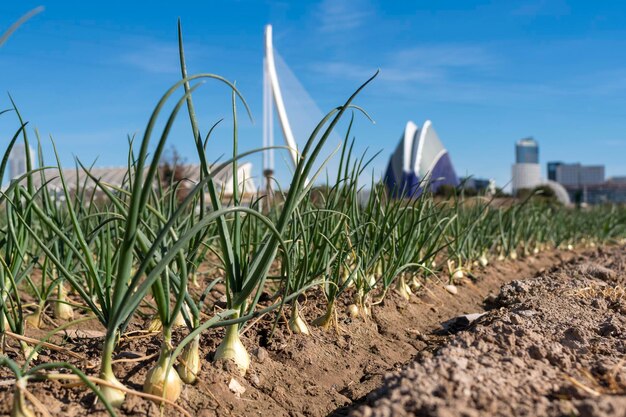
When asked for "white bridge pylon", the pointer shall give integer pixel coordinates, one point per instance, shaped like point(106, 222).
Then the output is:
point(272, 95)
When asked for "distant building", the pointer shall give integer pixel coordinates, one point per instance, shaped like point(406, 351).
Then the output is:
point(575, 175)
point(607, 192)
point(591, 174)
point(419, 161)
point(586, 183)
point(527, 151)
point(117, 177)
point(552, 168)
point(17, 160)
point(526, 172)
point(526, 176)
point(478, 184)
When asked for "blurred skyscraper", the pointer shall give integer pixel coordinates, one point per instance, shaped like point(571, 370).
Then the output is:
point(527, 151)
point(526, 172)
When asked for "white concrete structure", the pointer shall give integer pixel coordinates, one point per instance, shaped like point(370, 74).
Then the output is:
point(525, 176)
point(117, 177)
point(560, 192)
point(17, 160)
point(224, 180)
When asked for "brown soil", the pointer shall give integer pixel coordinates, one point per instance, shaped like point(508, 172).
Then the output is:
point(555, 346)
point(328, 373)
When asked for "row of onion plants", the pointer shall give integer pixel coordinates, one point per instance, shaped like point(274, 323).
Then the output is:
point(118, 252)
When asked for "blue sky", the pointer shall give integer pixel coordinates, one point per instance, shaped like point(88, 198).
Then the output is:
point(485, 72)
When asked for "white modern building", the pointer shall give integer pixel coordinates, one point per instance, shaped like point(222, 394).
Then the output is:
point(117, 177)
point(525, 176)
point(526, 172)
point(575, 175)
point(17, 160)
point(419, 161)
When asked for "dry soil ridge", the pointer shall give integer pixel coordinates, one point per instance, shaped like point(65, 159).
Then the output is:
point(554, 346)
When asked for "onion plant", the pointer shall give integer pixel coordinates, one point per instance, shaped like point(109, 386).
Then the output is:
point(18, 261)
point(464, 245)
point(320, 237)
point(134, 261)
point(247, 267)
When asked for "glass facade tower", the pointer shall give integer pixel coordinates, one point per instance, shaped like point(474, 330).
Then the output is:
point(552, 170)
point(527, 151)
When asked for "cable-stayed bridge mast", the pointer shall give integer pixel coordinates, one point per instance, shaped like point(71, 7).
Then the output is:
point(296, 111)
point(272, 94)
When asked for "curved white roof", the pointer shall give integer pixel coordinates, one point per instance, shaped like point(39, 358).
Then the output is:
point(402, 156)
point(430, 150)
point(419, 155)
point(559, 192)
point(410, 131)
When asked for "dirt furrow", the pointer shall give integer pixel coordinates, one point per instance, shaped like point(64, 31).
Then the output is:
point(553, 345)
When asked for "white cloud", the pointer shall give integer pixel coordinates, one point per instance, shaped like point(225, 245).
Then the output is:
point(415, 66)
point(152, 56)
point(470, 73)
point(159, 57)
point(444, 56)
point(342, 15)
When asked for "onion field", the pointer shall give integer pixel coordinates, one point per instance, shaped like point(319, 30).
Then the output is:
point(147, 257)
